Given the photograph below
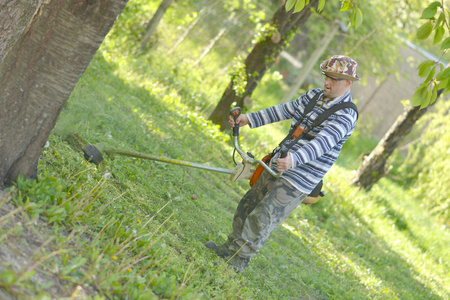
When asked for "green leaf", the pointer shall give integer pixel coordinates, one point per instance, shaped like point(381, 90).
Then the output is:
point(346, 5)
point(447, 89)
point(434, 95)
point(429, 96)
point(438, 35)
point(424, 31)
point(299, 6)
point(425, 67)
point(290, 4)
point(445, 74)
point(359, 17)
point(441, 20)
point(443, 84)
point(352, 17)
point(430, 11)
point(321, 5)
point(418, 98)
point(445, 44)
point(431, 74)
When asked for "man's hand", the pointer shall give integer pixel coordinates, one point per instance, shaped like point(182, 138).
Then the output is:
point(242, 120)
point(284, 164)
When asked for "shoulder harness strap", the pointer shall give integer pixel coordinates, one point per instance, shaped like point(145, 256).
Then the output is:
point(328, 112)
point(308, 108)
point(320, 119)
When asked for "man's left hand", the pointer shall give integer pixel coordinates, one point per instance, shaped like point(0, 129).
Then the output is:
point(284, 164)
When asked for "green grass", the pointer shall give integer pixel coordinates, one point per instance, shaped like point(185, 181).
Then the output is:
point(136, 228)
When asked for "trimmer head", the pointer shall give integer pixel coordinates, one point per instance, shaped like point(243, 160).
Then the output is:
point(92, 154)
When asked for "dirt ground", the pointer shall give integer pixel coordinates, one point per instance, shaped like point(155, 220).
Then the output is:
point(24, 245)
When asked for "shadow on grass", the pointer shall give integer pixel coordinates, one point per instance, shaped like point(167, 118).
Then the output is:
point(348, 259)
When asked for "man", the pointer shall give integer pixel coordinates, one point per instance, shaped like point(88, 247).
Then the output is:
point(270, 201)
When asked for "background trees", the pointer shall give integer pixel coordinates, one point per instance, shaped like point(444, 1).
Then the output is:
point(383, 22)
point(436, 82)
point(274, 38)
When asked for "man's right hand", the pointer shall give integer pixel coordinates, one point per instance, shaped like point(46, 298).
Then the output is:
point(242, 120)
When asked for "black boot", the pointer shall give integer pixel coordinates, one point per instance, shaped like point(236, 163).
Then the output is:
point(238, 263)
point(221, 250)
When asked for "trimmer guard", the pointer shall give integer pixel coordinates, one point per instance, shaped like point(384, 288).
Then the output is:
point(242, 171)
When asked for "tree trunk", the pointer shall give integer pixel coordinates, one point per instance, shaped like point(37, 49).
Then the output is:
point(260, 59)
point(39, 73)
point(373, 167)
point(151, 27)
point(15, 15)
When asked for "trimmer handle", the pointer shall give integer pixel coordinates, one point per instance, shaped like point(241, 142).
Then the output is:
point(235, 113)
point(283, 151)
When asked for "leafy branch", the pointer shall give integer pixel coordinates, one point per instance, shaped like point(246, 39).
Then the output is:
point(355, 18)
point(437, 76)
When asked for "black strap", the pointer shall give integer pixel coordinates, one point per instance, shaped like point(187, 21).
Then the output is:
point(328, 112)
point(310, 106)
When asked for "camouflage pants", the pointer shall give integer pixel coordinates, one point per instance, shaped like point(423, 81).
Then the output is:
point(262, 209)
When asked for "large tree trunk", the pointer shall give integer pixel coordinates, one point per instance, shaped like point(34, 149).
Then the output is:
point(153, 23)
point(39, 73)
point(260, 59)
point(373, 167)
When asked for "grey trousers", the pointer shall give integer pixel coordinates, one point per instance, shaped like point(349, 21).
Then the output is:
point(262, 209)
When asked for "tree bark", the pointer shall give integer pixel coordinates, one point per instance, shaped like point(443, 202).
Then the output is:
point(373, 167)
point(39, 73)
point(153, 24)
point(260, 59)
point(15, 15)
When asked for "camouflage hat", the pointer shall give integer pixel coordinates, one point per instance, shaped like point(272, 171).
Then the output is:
point(339, 66)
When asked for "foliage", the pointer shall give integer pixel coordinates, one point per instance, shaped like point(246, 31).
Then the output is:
point(436, 75)
point(374, 44)
point(355, 18)
point(429, 160)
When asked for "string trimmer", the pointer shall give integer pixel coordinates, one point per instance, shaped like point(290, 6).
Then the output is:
point(241, 171)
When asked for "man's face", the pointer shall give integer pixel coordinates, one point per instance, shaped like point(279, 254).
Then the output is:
point(334, 87)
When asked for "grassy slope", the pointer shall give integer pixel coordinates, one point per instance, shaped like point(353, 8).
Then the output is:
point(141, 231)
point(351, 244)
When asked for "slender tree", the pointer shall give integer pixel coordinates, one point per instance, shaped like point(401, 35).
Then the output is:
point(283, 26)
point(39, 73)
point(153, 23)
point(373, 167)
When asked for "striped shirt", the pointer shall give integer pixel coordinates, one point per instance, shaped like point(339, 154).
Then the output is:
point(311, 160)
